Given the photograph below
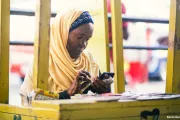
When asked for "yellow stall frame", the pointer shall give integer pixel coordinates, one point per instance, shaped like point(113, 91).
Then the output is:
point(76, 109)
point(173, 65)
point(4, 50)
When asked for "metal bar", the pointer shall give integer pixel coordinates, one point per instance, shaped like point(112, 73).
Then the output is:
point(20, 12)
point(124, 18)
point(21, 43)
point(41, 44)
point(140, 19)
point(4, 50)
point(144, 48)
point(173, 64)
point(117, 38)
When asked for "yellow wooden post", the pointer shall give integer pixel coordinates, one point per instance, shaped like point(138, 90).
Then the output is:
point(41, 58)
point(173, 64)
point(106, 36)
point(4, 50)
point(117, 39)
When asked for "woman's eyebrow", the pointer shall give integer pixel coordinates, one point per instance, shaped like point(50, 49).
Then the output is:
point(81, 34)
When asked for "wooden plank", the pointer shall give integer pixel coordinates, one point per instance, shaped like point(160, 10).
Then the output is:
point(109, 105)
point(8, 116)
point(81, 104)
point(76, 109)
point(127, 118)
point(47, 113)
point(115, 112)
point(4, 50)
point(117, 39)
point(34, 118)
point(173, 64)
point(41, 46)
point(161, 117)
point(45, 104)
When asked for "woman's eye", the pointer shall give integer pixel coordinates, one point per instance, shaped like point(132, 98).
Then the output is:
point(79, 37)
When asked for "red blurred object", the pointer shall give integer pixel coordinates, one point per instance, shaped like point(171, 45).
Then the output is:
point(20, 57)
point(138, 72)
point(16, 68)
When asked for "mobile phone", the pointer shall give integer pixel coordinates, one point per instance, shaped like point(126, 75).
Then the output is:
point(104, 73)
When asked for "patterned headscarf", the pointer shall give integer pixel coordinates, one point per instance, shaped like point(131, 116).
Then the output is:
point(84, 18)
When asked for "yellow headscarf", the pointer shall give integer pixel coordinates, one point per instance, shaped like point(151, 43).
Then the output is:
point(62, 68)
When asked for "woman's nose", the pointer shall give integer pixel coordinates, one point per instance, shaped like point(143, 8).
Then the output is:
point(83, 44)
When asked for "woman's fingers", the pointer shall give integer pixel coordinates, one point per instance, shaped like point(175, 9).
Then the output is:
point(87, 73)
point(80, 78)
point(99, 86)
point(102, 84)
point(96, 87)
point(83, 74)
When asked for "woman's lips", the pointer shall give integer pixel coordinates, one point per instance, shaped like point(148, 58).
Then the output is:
point(79, 51)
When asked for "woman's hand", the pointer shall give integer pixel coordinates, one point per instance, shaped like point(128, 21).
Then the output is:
point(100, 86)
point(83, 76)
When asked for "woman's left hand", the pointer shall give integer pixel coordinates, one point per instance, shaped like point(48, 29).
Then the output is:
point(100, 86)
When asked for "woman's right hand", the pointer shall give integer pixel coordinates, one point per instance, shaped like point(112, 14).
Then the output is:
point(83, 76)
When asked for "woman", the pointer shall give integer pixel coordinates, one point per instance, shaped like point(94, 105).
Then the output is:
point(69, 64)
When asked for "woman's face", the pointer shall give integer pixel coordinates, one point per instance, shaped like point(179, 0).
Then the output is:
point(78, 40)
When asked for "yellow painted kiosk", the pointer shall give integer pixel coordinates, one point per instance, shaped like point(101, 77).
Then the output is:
point(90, 108)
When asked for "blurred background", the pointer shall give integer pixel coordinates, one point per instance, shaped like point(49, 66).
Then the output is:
point(145, 70)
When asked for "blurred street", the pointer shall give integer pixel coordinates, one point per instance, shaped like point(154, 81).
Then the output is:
point(154, 86)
